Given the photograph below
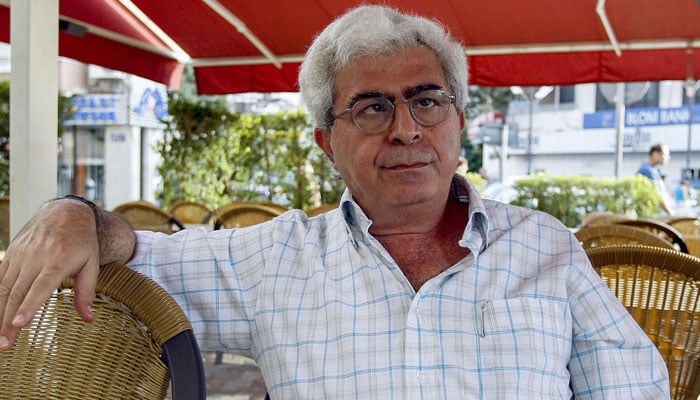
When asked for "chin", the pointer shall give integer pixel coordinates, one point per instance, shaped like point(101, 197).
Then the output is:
point(410, 195)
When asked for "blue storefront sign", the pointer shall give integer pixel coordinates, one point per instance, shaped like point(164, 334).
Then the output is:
point(646, 116)
point(98, 109)
point(143, 106)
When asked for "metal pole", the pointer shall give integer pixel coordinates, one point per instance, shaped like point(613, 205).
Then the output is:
point(504, 150)
point(529, 135)
point(691, 87)
point(620, 125)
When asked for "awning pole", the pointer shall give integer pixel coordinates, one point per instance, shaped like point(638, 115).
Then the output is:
point(34, 111)
point(600, 9)
point(691, 87)
point(619, 125)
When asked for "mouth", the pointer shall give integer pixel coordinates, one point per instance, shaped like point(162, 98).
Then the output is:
point(405, 166)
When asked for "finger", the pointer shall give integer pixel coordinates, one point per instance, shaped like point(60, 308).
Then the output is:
point(84, 288)
point(8, 307)
point(39, 291)
point(4, 289)
point(3, 268)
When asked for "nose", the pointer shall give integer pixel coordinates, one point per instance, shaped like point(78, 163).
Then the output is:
point(404, 129)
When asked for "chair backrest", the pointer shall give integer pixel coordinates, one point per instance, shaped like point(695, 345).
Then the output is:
point(661, 289)
point(685, 225)
point(191, 212)
point(689, 227)
point(146, 216)
point(139, 344)
point(602, 218)
point(615, 234)
point(321, 209)
point(240, 214)
point(272, 204)
point(660, 229)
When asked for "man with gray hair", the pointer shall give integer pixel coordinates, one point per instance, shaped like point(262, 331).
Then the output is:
point(413, 288)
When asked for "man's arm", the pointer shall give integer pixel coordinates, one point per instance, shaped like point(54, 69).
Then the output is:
point(611, 356)
point(65, 238)
point(666, 206)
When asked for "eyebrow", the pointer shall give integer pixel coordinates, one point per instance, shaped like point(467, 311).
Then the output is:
point(407, 94)
point(370, 95)
point(410, 92)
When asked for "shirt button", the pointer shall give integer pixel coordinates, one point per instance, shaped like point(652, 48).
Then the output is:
point(420, 377)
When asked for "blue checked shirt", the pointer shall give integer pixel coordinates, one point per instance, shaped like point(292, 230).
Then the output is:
point(327, 314)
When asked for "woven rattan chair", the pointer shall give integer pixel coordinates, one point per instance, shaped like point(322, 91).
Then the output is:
point(271, 204)
point(146, 216)
point(661, 289)
point(602, 218)
point(321, 209)
point(685, 225)
point(689, 227)
point(615, 234)
point(191, 212)
point(660, 229)
point(139, 345)
point(240, 214)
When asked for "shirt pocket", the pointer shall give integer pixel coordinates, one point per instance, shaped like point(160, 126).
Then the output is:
point(525, 334)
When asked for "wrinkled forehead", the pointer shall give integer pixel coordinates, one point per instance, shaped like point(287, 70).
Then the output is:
point(399, 73)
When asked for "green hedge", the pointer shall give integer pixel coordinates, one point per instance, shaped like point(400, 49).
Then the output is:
point(568, 198)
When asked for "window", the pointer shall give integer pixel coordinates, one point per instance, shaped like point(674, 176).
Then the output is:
point(81, 163)
point(560, 95)
point(637, 94)
point(696, 99)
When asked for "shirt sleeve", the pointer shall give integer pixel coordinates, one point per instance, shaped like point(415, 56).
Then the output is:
point(215, 285)
point(611, 356)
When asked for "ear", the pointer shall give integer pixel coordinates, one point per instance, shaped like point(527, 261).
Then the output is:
point(462, 120)
point(323, 140)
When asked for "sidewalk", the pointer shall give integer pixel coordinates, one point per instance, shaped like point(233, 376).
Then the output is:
point(236, 378)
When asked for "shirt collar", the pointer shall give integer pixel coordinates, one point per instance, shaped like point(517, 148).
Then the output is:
point(475, 235)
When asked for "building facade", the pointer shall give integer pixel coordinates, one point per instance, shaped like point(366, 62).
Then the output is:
point(574, 130)
point(107, 152)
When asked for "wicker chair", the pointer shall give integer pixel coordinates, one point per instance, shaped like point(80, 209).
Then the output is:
point(271, 204)
point(139, 345)
point(191, 212)
point(615, 234)
point(685, 225)
point(661, 289)
point(660, 229)
point(321, 209)
point(689, 227)
point(602, 218)
point(146, 216)
point(240, 214)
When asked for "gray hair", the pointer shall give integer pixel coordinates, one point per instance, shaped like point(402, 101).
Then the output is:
point(368, 30)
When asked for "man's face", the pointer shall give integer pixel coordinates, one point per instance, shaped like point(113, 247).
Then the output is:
point(407, 163)
point(662, 157)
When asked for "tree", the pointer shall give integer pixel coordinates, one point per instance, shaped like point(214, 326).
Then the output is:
point(194, 161)
point(213, 156)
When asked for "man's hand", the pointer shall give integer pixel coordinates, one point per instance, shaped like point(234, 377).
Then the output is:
point(60, 241)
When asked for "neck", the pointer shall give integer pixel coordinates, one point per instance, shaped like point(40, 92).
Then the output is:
point(414, 219)
point(423, 249)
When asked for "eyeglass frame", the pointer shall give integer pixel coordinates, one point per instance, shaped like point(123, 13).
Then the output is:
point(351, 109)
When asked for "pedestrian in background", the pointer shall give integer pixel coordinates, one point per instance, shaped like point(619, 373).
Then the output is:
point(659, 155)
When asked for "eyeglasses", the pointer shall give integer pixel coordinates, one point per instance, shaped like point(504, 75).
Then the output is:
point(376, 114)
